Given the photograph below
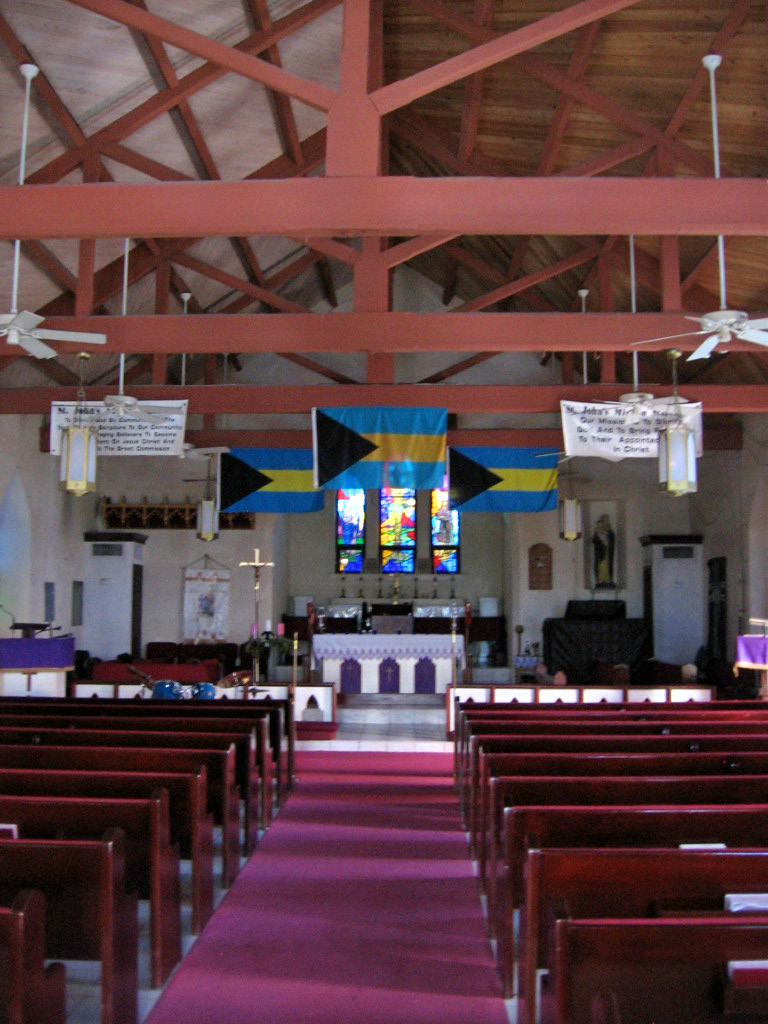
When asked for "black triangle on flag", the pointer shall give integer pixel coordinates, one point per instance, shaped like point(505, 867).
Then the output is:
point(467, 479)
point(336, 447)
point(237, 480)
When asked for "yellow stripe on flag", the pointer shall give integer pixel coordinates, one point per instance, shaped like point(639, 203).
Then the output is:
point(416, 447)
point(288, 480)
point(524, 479)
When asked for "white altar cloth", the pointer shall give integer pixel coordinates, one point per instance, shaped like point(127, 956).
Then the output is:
point(370, 649)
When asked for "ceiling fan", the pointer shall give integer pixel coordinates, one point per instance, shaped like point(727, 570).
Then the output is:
point(190, 452)
point(723, 324)
point(22, 329)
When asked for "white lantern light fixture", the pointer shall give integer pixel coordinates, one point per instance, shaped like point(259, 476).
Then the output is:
point(569, 512)
point(677, 449)
point(77, 466)
point(207, 510)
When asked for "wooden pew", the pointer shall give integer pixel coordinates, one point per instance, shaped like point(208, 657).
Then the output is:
point(657, 970)
point(559, 826)
point(223, 795)
point(279, 712)
point(620, 883)
point(191, 826)
point(89, 915)
point(254, 762)
point(617, 790)
point(583, 742)
point(247, 775)
point(718, 763)
point(30, 991)
point(151, 862)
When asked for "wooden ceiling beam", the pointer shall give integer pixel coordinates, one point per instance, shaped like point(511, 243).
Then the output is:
point(385, 332)
point(243, 399)
point(370, 206)
point(723, 436)
point(223, 277)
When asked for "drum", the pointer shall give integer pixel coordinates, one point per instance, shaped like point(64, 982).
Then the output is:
point(203, 691)
point(166, 689)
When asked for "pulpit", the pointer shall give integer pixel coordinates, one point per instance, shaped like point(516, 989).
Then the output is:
point(35, 665)
point(752, 653)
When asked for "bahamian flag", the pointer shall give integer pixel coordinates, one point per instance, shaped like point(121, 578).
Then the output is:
point(268, 480)
point(502, 479)
point(379, 447)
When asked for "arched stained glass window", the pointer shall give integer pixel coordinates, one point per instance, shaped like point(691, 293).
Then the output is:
point(350, 530)
point(444, 533)
point(397, 530)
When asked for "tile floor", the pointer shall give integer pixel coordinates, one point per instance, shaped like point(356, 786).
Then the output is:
point(406, 728)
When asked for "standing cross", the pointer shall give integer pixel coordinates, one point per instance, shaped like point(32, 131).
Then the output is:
point(257, 566)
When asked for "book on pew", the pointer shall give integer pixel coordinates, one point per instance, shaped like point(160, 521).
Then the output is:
point(8, 831)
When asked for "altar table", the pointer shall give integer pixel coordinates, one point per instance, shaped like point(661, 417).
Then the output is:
point(371, 649)
point(35, 665)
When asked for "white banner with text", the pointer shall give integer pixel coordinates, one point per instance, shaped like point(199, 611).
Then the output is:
point(119, 433)
point(623, 430)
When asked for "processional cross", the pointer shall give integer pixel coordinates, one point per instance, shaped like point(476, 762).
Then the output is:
point(257, 566)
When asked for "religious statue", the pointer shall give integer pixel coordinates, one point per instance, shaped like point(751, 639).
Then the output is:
point(604, 549)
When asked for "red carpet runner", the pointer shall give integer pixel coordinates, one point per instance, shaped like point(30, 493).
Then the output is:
point(359, 906)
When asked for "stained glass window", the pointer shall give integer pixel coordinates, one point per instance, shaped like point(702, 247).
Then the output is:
point(444, 533)
point(350, 530)
point(397, 530)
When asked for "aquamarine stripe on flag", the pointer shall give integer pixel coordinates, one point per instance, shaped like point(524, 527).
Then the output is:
point(485, 479)
point(379, 447)
point(276, 480)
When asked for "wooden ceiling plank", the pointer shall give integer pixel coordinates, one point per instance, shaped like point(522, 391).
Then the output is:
point(167, 99)
point(483, 270)
point(247, 287)
point(232, 59)
point(242, 399)
point(521, 284)
point(345, 207)
point(420, 134)
point(399, 94)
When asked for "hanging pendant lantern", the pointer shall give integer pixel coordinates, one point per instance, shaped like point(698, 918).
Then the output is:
point(570, 519)
point(207, 509)
point(677, 450)
point(77, 466)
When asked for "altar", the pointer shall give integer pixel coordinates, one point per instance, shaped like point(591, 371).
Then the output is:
point(418, 663)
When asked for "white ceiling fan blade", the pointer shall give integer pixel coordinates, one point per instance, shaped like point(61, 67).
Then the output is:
point(761, 324)
point(705, 349)
point(81, 337)
point(140, 413)
point(757, 337)
point(26, 321)
point(31, 344)
point(669, 337)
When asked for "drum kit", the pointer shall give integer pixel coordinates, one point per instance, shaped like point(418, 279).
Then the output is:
point(170, 689)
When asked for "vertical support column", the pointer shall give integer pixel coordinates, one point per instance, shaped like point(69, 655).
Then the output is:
point(669, 252)
point(354, 133)
point(86, 260)
point(605, 291)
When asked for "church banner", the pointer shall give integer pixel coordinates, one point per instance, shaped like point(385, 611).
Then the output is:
point(379, 447)
point(624, 430)
point(124, 434)
point(268, 480)
point(206, 604)
point(485, 479)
